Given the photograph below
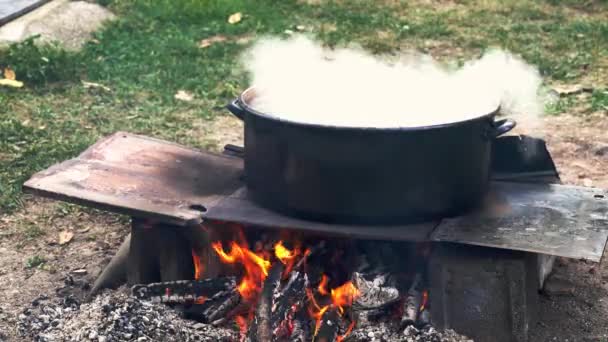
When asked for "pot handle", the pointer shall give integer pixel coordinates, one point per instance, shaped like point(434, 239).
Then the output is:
point(236, 109)
point(503, 126)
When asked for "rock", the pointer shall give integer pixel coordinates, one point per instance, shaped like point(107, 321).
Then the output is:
point(558, 287)
point(601, 151)
point(70, 23)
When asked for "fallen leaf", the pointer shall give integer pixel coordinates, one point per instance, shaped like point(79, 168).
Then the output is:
point(207, 42)
point(84, 230)
point(65, 237)
point(11, 83)
point(184, 95)
point(235, 18)
point(9, 74)
point(88, 85)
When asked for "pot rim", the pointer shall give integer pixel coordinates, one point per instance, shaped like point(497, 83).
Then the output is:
point(249, 109)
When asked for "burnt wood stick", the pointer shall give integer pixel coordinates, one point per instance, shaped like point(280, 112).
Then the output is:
point(424, 318)
point(182, 291)
point(221, 306)
point(413, 300)
point(328, 327)
point(261, 329)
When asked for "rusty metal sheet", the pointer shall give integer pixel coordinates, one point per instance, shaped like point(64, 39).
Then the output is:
point(559, 220)
point(142, 177)
point(239, 208)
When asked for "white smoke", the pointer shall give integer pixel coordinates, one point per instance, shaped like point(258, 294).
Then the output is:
point(299, 80)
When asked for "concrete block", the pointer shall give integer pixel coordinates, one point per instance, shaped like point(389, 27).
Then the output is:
point(485, 293)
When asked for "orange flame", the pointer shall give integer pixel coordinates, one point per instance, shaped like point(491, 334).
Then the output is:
point(322, 288)
point(425, 298)
point(256, 267)
point(318, 316)
point(283, 254)
point(344, 295)
point(341, 296)
point(198, 266)
point(286, 257)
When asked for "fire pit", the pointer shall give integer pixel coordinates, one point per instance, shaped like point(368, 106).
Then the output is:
point(198, 243)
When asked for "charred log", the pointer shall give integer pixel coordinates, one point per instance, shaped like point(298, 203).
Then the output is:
point(261, 329)
point(412, 302)
point(289, 302)
point(328, 327)
point(424, 318)
point(184, 291)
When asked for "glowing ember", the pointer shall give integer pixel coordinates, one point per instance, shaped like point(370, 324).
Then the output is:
point(322, 288)
point(200, 300)
point(351, 326)
point(425, 298)
point(242, 323)
point(256, 267)
point(198, 266)
point(344, 296)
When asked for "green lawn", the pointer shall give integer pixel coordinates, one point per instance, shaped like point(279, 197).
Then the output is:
point(152, 51)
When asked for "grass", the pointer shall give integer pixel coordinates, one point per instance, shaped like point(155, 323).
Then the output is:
point(151, 52)
point(35, 262)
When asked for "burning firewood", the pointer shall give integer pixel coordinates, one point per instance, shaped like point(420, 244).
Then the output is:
point(289, 302)
point(260, 329)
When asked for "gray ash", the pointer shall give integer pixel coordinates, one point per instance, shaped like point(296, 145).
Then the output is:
point(385, 332)
point(112, 316)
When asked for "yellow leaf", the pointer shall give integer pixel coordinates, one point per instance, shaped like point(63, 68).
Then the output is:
point(65, 237)
point(9, 74)
point(235, 18)
point(11, 83)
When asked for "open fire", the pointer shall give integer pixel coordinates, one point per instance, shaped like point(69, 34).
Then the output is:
point(289, 288)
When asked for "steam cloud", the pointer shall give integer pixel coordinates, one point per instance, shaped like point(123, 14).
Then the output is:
point(299, 80)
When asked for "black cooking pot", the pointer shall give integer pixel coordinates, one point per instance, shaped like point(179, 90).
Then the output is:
point(366, 175)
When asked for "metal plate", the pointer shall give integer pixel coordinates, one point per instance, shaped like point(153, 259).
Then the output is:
point(11, 9)
point(551, 219)
point(238, 208)
point(142, 177)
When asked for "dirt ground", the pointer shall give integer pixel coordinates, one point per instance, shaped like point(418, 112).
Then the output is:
point(577, 311)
